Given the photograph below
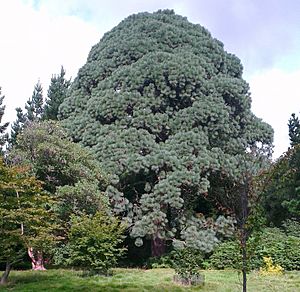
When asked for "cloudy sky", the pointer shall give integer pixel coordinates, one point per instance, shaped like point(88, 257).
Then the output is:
point(38, 36)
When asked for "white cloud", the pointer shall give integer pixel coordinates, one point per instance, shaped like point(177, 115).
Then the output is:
point(34, 44)
point(275, 96)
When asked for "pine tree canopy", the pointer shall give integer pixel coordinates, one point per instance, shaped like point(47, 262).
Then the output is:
point(164, 107)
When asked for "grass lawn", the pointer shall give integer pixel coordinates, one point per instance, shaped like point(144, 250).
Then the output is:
point(145, 280)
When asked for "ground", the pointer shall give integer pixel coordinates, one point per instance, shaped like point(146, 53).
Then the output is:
point(137, 280)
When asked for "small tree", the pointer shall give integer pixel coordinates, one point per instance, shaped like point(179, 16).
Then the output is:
point(241, 198)
point(25, 222)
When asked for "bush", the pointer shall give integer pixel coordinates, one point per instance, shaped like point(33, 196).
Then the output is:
point(282, 248)
point(178, 259)
point(291, 227)
point(273, 242)
point(226, 256)
point(165, 261)
point(187, 262)
point(269, 268)
point(94, 243)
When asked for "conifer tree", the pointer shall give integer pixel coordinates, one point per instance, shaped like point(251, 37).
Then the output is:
point(34, 111)
point(17, 127)
point(56, 94)
point(34, 106)
point(164, 107)
point(294, 130)
point(3, 135)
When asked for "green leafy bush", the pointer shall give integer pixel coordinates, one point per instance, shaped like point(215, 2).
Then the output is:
point(291, 227)
point(164, 261)
point(178, 259)
point(282, 248)
point(187, 261)
point(273, 242)
point(94, 243)
point(226, 255)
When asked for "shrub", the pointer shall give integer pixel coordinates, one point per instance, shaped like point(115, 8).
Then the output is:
point(164, 261)
point(187, 262)
point(273, 242)
point(291, 227)
point(270, 268)
point(94, 242)
point(282, 248)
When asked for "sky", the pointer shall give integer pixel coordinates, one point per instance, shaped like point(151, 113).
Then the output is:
point(37, 37)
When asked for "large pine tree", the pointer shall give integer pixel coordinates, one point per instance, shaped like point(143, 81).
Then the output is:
point(165, 109)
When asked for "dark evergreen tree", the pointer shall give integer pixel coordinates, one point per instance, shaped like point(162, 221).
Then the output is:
point(166, 111)
point(294, 130)
point(56, 94)
point(34, 111)
point(17, 127)
point(34, 106)
point(3, 134)
point(282, 192)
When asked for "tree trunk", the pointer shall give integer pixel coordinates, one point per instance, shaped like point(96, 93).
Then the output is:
point(158, 247)
point(37, 261)
point(5, 274)
point(244, 268)
point(244, 232)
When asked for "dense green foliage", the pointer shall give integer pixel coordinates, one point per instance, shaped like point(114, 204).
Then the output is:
point(281, 247)
point(94, 243)
point(67, 170)
point(25, 221)
point(71, 176)
point(282, 191)
point(226, 255)
point(166, 111)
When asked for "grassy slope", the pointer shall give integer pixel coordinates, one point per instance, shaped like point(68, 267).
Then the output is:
point(145, 280)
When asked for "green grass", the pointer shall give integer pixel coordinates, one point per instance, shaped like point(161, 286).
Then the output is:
point(145, 280)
